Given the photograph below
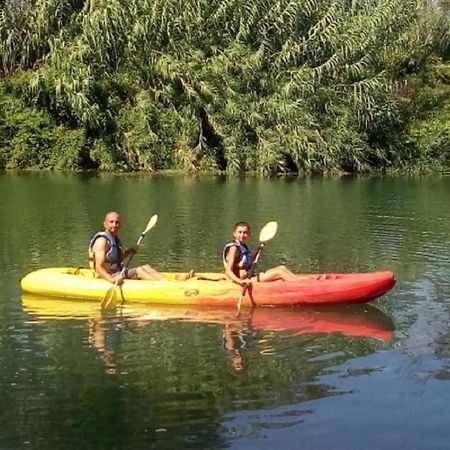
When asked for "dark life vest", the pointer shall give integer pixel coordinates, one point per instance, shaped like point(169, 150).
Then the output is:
point(245, 258)
point(114, 255)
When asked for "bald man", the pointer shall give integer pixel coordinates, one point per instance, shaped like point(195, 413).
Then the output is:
point(106, 255)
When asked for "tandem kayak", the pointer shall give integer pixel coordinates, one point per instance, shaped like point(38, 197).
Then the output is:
point(212, 288)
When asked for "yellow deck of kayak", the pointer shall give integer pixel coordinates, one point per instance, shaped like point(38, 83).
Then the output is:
point(82, 284)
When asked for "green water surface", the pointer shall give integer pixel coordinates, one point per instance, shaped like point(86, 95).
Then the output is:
point(370, 377)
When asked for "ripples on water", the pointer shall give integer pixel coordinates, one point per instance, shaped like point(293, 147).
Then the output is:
point(366, 377)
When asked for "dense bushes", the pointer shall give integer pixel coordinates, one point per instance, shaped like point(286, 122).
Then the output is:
point(279, 86)
point(30, 138)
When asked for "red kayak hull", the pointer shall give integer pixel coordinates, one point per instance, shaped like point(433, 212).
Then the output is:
point(313, 290)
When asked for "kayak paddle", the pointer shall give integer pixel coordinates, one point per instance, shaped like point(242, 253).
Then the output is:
point(110, 299)
point(268, 231)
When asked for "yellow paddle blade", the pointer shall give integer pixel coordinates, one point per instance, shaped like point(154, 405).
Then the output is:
point(110, 299)
point(151, 223)
point(268, 231)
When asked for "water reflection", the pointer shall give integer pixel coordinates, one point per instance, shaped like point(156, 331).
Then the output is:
point(104, 334)
point(105, 326)
point(235, 340)
point(350, 387)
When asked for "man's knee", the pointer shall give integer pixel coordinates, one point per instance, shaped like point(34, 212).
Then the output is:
point(132, 274)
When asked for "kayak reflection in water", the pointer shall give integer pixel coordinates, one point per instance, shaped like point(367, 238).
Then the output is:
point(106, 256)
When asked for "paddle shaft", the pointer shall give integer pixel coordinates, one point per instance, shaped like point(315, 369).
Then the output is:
point(124, 268)
point(250, 273)
point(127, 263)
point(151, 224)
point(268, 232)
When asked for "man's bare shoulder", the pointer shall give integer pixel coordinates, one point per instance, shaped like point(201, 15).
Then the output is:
point(101, 243)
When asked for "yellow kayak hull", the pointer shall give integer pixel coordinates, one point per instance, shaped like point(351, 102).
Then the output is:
point(211, 288)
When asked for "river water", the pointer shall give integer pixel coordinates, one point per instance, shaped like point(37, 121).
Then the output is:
point(375, 376)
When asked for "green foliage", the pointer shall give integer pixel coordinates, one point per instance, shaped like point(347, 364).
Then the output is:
point(284, 86)
point(31, 139)
point(428, 135)
point(431, 141)
point(104, 154)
